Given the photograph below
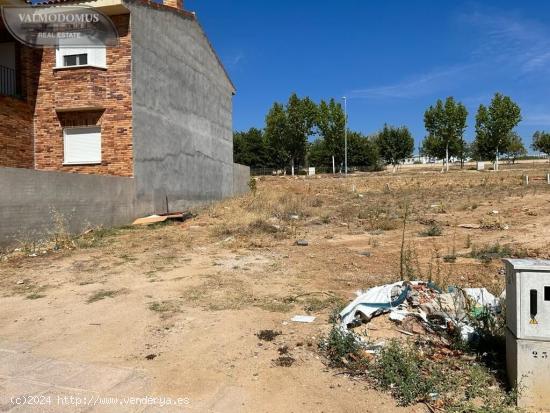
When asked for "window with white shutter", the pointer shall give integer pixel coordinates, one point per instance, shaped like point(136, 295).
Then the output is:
point(67, 56)
point(82, 145)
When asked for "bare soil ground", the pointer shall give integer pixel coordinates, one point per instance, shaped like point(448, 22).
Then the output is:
point(182, 304)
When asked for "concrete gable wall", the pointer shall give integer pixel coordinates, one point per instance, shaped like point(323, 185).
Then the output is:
point(182, 111)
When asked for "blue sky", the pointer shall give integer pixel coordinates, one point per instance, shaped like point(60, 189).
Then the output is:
point(392, 59)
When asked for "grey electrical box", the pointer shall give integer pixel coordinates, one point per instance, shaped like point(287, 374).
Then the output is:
point(528, 330)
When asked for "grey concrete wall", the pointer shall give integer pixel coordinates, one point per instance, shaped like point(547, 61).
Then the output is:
point(30, 199)
point(182, 112)
point(241, 178)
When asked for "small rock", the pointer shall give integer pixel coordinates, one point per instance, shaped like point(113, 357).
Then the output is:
point(365, 253)
point(470, 226)
point(302, 242)
point(295, 217)
point(20, 282)
point(151, 356)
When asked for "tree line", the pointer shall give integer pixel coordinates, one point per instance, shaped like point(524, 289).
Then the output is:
point(495, 136)
point(301, 132)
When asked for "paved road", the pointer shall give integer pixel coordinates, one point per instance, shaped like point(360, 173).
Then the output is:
point(52, 383)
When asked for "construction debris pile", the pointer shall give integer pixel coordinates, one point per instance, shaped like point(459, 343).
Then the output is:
point(420, 303)
point(425, 345)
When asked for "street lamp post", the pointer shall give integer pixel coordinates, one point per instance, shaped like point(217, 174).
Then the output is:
point(345, 135)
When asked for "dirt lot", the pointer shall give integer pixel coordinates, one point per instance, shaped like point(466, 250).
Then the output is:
point(174, 310)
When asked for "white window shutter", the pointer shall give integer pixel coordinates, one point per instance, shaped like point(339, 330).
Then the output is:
point(82, 145)
point(97, 56)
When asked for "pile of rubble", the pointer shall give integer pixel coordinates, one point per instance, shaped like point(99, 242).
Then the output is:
point(419, 304)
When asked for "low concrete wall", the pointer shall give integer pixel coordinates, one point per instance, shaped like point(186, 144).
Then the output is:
point(241, 178)
point(30, 200)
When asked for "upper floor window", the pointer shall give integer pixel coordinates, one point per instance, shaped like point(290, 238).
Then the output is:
point(75, 60)
point(83, 56)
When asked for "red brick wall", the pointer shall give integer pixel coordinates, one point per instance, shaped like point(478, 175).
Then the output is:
point(16, 122)
point(178, 4)
point(109, 89)
point(15, 133)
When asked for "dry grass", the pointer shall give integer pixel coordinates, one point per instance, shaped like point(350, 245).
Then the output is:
point(165, 307)
point(238, 258)
point(103, 294)
point(219, 292)
point(286, 209)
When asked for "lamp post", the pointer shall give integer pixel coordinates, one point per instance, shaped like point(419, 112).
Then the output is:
point(345, 135)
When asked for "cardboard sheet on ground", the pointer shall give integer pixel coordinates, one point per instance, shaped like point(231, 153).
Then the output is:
point(153, 219)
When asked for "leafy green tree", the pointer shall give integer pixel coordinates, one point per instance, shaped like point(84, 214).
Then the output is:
point(431, 147)
point(541, 142)
point(362, 151)
point(301, 117)
point(331, 123)
point(464, 151)
point(445, 123)
point(288, 129)
point(515, 148)
point(493, 127)
point(318, 154)
point(395, 145)
point(240, 149)
point(276, 135)
point(250, 148)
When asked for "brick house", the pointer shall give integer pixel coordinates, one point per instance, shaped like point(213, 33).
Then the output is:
point(158, 107)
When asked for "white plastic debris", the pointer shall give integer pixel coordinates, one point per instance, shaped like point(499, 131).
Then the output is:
point(375, 301)
point(467, 332)
point(398, 316)
point(303, 319)
point(482, 297)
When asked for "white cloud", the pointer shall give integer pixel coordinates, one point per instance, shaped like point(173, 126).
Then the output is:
point(420, 85)
point(537, 119)
point(507, 44)
point(234, 60)
point(510, 40)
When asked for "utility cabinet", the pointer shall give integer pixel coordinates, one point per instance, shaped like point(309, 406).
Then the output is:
point(528, 331)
